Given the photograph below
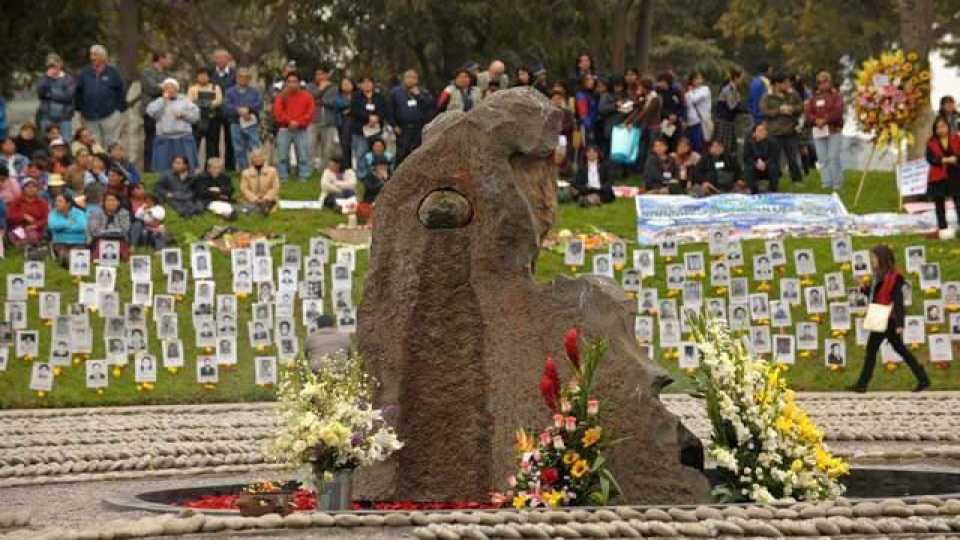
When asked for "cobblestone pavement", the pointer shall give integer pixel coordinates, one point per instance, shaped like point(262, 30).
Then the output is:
point(61, 463)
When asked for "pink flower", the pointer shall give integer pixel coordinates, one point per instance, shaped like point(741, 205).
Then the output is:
point(544, 438)
point(593, 407)
point(565, 405)
point(558, 421)
point(571, 423)
point(512, 481)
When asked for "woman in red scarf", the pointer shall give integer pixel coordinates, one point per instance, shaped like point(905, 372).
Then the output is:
point(887, 289)
point(943, 180)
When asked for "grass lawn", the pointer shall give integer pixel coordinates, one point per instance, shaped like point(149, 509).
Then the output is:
point(237, 383)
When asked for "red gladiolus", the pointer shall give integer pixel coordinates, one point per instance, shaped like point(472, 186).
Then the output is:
point(571, 344)
point(549, 476)
point(550, 384)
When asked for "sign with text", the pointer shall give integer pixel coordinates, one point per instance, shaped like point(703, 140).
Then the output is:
point(912, 177)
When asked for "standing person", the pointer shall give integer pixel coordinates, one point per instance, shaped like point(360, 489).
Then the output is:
point(209, 98)
point(948, 110)
point(612, 110)
point(496, 73)
point(293, 111)
point(259, 185)
point(151, 80)
point(583, 66)
point(671, 109)
point(759, 87)
point(461, 95)
point(648, 110)
point(760, 160)
point(586, 109)
point(699, 114)
point(368, 101)
point(824, 111)
point(174, 116)
point(101, 97)
point(57, 91)
point(781, 109)
point(224, 76)
point(323, 129)
point(242, 106)
point(409, 108)
point(887, 290)
point(729, 106)
point(943, 180)
point(344, 104)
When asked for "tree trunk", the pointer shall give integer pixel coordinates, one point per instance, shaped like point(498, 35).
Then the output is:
point(129, 39)
point(618, 48)
point(644, 35)
point(916, 35)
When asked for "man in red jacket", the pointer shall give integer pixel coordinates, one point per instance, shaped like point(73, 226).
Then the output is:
point(824, 112)
point(293, 111)
point(27, 216)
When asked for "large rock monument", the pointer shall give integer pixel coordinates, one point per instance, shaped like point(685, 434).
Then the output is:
point(456, 328)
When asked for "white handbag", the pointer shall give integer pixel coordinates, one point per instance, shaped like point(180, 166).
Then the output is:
point(878, 315)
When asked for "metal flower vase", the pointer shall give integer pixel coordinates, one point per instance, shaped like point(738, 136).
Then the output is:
point(335, 494)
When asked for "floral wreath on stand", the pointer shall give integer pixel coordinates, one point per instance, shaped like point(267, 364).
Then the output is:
point(891, 92)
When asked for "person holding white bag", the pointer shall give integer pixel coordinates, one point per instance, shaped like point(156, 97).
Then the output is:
point(884, 319)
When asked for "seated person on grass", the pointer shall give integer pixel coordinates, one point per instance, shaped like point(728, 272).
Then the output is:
point(375, 179)
point(175, 189)
point(760, 161)
point(660, 171)
point(214, 189)
point(148, 228)
point(259, 184)
point(110, 221)
point(68, 228)
point(718, 172)
point(592, 185)
point(336, 184)
point(27, 217)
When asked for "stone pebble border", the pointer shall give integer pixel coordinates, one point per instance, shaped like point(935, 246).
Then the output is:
point(924, 515)
point(41, 446)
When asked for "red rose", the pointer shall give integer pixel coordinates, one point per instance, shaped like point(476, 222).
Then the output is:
point(570, 343)
point(549, 476)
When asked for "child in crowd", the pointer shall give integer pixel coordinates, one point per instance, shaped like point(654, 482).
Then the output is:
point(660, 171)
point(148, 229)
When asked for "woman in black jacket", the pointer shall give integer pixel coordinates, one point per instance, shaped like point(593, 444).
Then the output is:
point(887, 289)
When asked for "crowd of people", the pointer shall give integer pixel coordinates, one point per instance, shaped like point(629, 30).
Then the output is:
point(675, 138)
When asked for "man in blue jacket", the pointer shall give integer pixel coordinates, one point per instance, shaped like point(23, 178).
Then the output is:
point(409, 108)
point(101, 97)
point(759, 87)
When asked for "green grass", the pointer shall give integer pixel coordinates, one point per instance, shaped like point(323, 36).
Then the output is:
point(237, 383)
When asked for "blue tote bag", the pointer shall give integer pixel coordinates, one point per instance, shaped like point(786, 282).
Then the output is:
point(624, 144)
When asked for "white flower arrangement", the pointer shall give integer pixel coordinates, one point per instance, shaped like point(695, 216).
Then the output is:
point(766, 447)
point(326, 421)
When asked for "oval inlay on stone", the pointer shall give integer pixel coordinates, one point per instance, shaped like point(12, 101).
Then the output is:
point(445, 209)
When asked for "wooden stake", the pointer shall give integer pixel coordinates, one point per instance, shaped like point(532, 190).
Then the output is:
point(866, 169)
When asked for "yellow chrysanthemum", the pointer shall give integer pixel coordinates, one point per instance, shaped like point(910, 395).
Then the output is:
point(520, 501)
point(570, 458)
point(579, 468)
point(553, 498)
point(796, 466)
point(591, 436)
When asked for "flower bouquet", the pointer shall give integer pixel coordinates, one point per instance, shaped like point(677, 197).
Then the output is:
point(563, 464)
point(766, 447)
point(891, 93)
point(328, 427)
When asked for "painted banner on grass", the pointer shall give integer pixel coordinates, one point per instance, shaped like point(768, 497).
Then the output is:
point(747, 215)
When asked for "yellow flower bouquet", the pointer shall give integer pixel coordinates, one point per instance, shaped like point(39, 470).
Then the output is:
point(891, 91)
